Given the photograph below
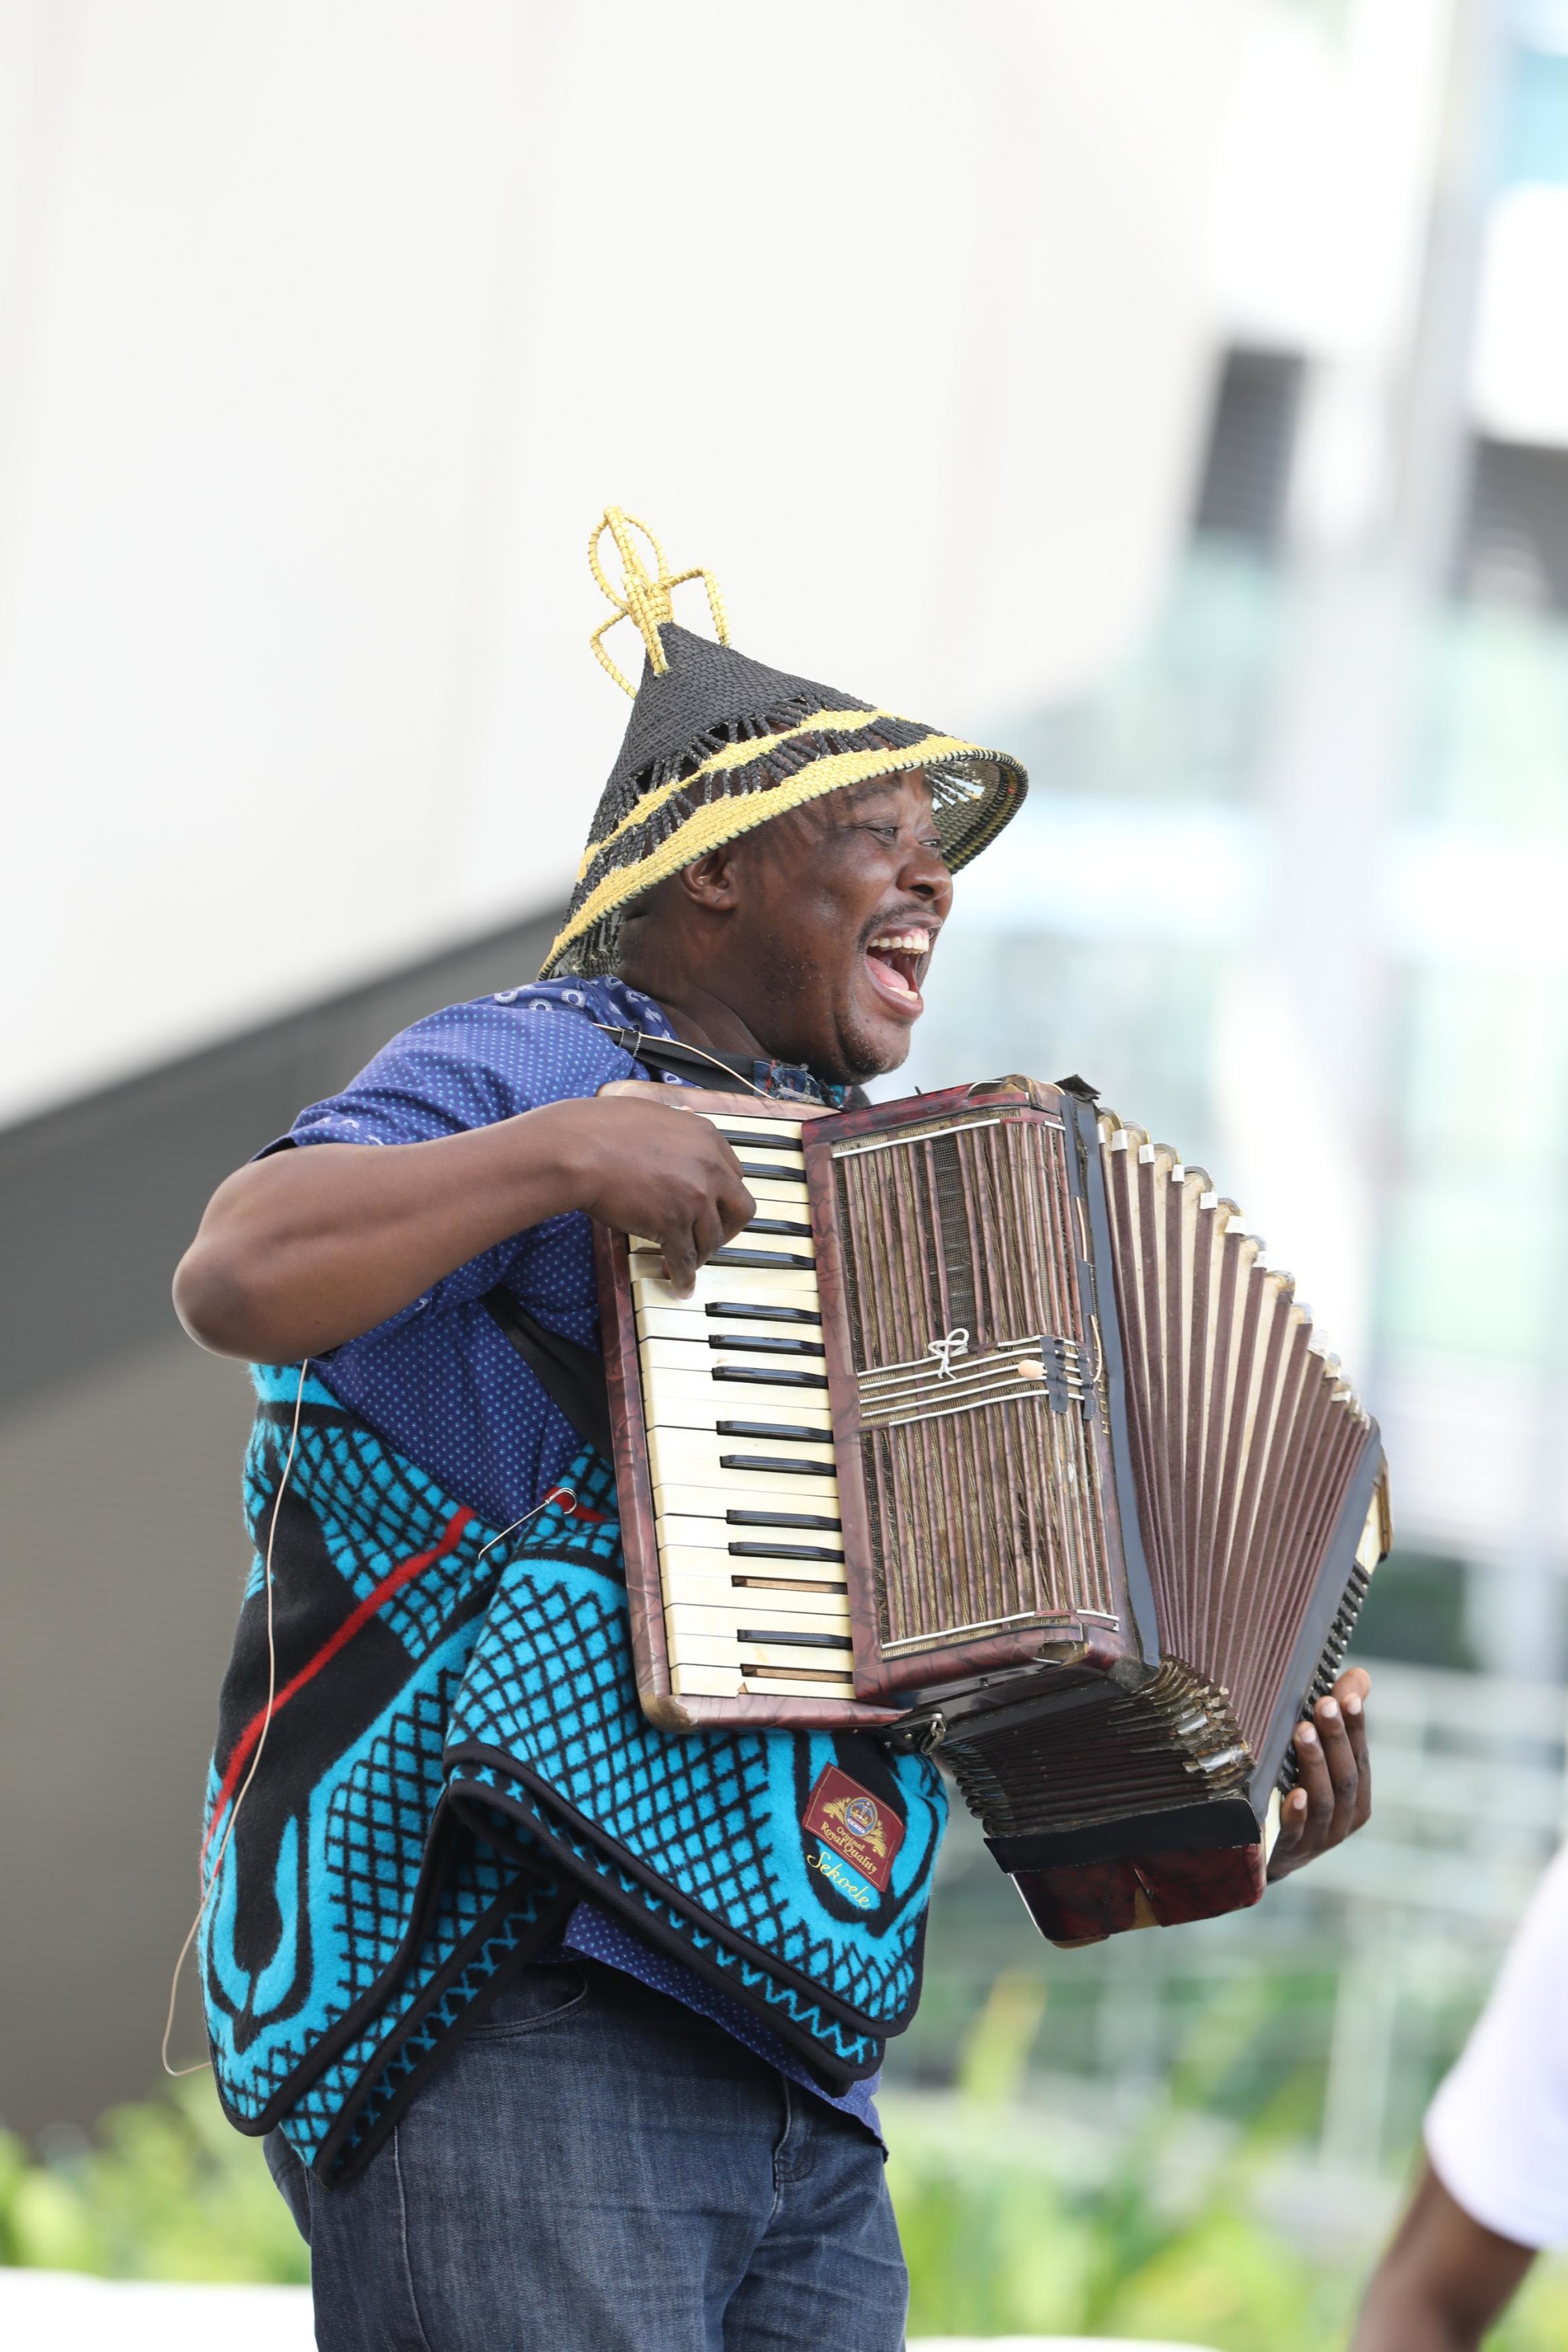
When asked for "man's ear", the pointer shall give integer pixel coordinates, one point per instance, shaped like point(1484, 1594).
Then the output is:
point(709, 880)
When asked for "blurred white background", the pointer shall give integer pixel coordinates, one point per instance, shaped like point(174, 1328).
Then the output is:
point(328, 331)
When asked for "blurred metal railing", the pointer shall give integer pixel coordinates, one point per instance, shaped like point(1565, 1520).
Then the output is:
point(1470, 1777)
point(1470, 1780)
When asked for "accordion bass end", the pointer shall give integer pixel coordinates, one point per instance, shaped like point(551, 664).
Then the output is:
point(994, 1433)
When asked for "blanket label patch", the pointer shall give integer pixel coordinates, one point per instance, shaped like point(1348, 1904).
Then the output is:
point(855, 1823)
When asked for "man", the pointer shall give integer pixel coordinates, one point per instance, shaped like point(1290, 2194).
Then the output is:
point(446, 1856)
point(1494, 2190)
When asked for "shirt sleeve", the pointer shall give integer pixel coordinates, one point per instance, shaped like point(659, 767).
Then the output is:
point(467, 1066)
point(1497, 2132)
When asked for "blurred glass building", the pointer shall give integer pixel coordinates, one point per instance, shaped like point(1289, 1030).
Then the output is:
point(1293, 886)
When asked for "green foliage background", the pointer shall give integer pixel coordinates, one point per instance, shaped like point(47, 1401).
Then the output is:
point(1160, 2236)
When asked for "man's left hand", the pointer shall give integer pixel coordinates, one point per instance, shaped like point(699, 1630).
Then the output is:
point(1333, 1796)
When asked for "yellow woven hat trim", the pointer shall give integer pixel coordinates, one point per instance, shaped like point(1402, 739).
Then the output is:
point(730, 755)
point(719, 744)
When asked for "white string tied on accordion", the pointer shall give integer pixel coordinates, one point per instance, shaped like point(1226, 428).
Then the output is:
point(952, 1343)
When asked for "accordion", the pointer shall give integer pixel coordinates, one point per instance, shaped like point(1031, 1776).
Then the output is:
point(993, 1433)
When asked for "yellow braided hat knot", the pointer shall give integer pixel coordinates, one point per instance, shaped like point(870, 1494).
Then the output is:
point(643, 600)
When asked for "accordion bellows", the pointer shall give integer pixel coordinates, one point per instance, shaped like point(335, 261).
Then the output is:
point(1244, 1437)
point(994, 1431)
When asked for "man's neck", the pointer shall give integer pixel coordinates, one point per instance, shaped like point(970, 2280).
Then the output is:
point(699, 1018)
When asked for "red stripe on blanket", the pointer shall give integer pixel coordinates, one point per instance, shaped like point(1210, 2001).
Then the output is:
point(357, 1618)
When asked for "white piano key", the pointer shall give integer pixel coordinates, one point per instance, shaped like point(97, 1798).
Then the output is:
point(686, 1620)
point(706, 1681)
point(673, 1360)
point(781, 1130)
point(729, 1283)
point(830, 1664)
point(776, 1196)
point(679, 1562)
point(700, 1455)
point(697, 1401)
point(765, 1433)
point(695, 1355)
point(782, 1180)
point(779, 1685)
point(722, 1649)
point(695, 1453)
point(684, 1459)
point(726, 1682)
point(648, 1265)
point(709, 1504)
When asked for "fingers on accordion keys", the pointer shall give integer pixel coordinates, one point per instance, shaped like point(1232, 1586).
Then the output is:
point(740, 1448)
point(721, 1279)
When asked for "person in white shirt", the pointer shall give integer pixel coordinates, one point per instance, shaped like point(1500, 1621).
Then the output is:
point(1494, 2191)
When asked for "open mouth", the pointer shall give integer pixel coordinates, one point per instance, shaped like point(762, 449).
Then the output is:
point(896, 961)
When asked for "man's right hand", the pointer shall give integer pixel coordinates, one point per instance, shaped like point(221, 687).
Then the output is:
point(649, 1167)
point(304, 1250)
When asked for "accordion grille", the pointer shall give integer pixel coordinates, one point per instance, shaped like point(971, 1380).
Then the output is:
point(961, 1267)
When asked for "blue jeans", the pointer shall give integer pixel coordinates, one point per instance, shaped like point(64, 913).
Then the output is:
point(596, 2169)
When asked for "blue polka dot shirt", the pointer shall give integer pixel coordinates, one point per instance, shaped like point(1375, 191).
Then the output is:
point(443, 1384)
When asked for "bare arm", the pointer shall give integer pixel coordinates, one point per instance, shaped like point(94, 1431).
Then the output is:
point(1442, 2283)
point(300, 1251)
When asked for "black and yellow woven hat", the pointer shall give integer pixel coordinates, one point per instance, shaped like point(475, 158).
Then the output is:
point(717, 744)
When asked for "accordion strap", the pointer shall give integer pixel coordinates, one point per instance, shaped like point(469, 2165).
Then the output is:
point(661, 1055)
point(572, 1376)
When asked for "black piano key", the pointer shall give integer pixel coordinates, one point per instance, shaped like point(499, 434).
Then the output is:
point(782, 1519)
point(784, 1551)
point(760, 1142)
point(774, 1175)
point(756, 1311)
point(754, 1343)
point(767, 1376)
point(778, 1640)
point(780, 1462)
point(784, 1431)
point(777, 1258)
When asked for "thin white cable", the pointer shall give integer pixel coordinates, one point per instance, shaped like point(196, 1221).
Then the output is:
point(556, 1494)
point(212, 1878)
point(733, 1076)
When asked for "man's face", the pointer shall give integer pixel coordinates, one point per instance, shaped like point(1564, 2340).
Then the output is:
point(837, 908)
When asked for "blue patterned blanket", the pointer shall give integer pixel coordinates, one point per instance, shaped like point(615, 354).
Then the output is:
point(455, 1755)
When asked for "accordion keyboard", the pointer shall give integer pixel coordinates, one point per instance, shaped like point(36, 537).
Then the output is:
point(740, 1446)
